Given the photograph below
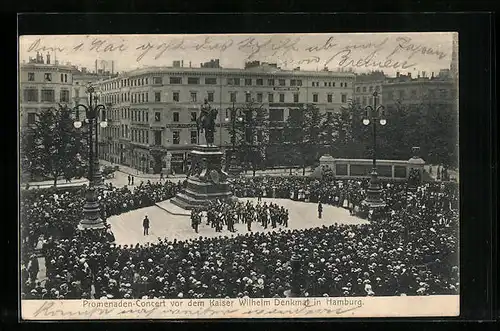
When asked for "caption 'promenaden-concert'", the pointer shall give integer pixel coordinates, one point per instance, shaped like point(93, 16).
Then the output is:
point(211, 182)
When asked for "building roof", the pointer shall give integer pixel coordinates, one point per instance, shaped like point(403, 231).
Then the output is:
point(265, 70)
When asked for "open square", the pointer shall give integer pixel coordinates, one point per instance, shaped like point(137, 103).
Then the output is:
point(127, 227)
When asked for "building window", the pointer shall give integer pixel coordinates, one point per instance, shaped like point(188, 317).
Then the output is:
point(364, 101)
point(147, 116)
point(48, 77)
point(299, 82)
point(281, 82)
point(276, 115)
point(175, 96)
point(329, 98)
point(259, 97)
point(232, 96)
point(210, 96)
point(329, 84)
point(233, 81)
point(159, 81)
point(176, 137)
point(157, 116)
point(345, 84)
point(371, 89)
point(343, 98)
point(248, 97)
point(175, 80)
point(326, 84)
point(248, 81)
point(64, 96)
point(157, 97)
point(194, 137)
point(377, 88)
point(364, 88)
point(270, 97)
point(176, 117)
point(282, 97)
point(315, 97)
point(31, 118)
point(259, 82)
point(31, 76)
point(358, 89)
point(210, 81)
point(193, 97)
point(157, 138)
point(31, 95)
point(333, 84)
point(193, 80)
point(48, 96)
point(194, 116)
point(270, 82)
point(295, 97)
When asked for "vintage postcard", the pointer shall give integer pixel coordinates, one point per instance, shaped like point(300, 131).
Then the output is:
point(239, 176)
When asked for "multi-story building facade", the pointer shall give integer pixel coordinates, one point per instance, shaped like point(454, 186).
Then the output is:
point(152, 111)
point(438, 91)
point(365, 85)
point(81, 78)
point(43, 85)
point(406, 90)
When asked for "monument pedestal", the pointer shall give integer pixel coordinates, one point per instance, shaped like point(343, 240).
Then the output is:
point(206, 182)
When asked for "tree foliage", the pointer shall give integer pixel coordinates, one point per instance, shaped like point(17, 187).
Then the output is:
point(53, 147)
point(304, 135)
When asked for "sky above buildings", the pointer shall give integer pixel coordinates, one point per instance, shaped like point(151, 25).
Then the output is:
point(389, 52)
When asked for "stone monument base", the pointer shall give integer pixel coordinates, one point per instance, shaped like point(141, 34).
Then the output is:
point(206, 182)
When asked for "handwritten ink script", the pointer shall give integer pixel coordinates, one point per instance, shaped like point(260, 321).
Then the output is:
point(188, 309)
point(394, 52)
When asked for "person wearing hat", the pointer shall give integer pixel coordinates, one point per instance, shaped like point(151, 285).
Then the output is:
point(145, 225)
point(320, 209)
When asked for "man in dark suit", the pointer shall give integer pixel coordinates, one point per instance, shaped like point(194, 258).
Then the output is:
point(145, 225)
point(320, 209)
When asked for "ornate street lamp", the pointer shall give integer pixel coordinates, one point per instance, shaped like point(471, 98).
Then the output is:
point(91, 213)
point(236, 117)
point(374, 115)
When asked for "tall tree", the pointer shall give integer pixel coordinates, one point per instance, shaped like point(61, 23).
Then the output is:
point(53, 146)
point(304, 132)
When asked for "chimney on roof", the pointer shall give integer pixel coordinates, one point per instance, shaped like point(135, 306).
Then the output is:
point(48, 58)
point(423, 74)
point(397, 74)
point(182, 63)
point(432, 74)
point(409, 75)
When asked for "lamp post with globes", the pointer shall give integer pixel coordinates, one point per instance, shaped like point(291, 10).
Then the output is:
point(91, 211)
point(236, 117)
point(374, 115)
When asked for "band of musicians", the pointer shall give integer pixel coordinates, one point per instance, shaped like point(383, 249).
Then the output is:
point(220, 214)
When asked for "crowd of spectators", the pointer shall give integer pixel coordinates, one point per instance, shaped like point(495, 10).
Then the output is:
point(52, 213)
point(410, 250)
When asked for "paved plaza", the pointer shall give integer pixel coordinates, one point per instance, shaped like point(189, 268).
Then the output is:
point(128, 230)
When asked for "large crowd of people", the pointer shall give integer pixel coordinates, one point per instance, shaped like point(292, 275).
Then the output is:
point(52, 213)
point(410, 250)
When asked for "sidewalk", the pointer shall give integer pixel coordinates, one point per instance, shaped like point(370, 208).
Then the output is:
point(138, 174)
point(60, 183)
